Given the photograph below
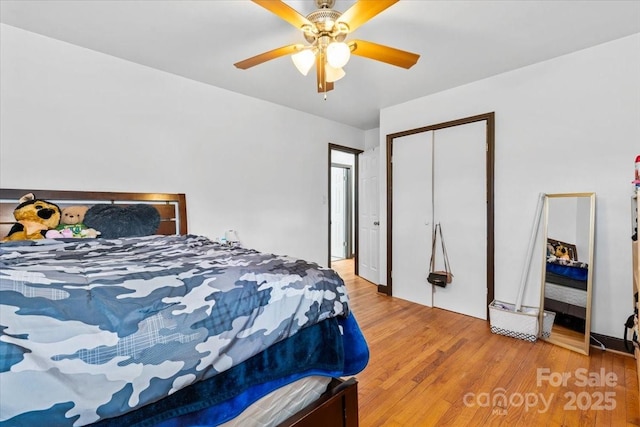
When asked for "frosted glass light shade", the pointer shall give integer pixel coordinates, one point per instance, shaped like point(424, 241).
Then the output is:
point(304, 60)
point(338, 54)
point(333, 74)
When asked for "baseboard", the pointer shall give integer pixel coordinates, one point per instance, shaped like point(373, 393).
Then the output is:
point(610, 343)
point(383, 289)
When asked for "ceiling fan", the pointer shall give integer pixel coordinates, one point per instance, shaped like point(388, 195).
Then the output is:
point(326, 30)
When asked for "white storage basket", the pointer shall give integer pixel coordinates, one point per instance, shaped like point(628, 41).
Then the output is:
point(516, 324)
point(547, 323)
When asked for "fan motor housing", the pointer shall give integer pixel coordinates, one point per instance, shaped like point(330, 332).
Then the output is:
point(324, 21)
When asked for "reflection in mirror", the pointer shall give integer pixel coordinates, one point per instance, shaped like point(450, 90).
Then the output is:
point(567, 274)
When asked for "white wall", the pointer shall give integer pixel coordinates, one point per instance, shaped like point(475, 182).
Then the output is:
point(570, 124)
point(371, 138)
point(76, 119)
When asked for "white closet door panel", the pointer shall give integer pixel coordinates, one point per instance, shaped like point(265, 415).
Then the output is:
point(411, 218)
point(461, 209)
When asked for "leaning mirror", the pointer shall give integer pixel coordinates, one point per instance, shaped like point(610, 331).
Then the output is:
point(567, 273)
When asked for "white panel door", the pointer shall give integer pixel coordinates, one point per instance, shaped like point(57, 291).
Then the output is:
point(461, 209)
point(411, 218)
point(369, 221)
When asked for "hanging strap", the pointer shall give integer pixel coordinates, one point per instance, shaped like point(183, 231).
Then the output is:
point(447, 268)
point(432, 263)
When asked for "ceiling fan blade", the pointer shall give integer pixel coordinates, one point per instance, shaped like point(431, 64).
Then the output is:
point(267, 56)
point(321, 73)
point(390, 55)
point(284, 11)
point(364, 10)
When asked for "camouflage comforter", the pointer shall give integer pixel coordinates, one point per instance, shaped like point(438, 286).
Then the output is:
point(95, 328)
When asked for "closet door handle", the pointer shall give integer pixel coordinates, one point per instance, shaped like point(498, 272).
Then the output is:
point(376, 222)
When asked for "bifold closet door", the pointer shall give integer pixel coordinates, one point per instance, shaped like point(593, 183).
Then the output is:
point(461, 208)
point(411, 222)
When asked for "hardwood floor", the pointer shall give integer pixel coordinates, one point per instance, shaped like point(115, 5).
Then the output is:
point(431, 367)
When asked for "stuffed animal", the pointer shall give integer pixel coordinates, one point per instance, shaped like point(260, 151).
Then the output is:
point(551, 250)
point(71, 219)
point(66, 233)
point(34, 217)
point(71, 224)
point(562, 252)
point(72, 215)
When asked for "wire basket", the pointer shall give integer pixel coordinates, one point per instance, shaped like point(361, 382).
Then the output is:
point(548, 318)
point(505, 320)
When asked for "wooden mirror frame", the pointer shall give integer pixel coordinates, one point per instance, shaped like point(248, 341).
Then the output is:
point(546, 330)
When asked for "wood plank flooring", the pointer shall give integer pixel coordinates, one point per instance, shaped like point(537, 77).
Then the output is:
point(431, 367)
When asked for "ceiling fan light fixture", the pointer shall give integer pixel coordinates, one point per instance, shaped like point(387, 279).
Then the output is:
point(304, 60)
point(325, 31)
point(338, 54)
point(333, 74)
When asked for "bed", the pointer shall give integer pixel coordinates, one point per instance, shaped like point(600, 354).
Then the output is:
point(170, 329)
point(566, 285)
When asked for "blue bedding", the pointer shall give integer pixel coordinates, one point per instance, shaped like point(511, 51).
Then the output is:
point(334, 348)
point(569, 269)
point(94, 329)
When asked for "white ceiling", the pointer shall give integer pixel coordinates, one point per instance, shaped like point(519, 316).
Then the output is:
point(458, 42)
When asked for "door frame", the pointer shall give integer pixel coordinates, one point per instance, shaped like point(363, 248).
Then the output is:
point(489, 158)
point(355, 152)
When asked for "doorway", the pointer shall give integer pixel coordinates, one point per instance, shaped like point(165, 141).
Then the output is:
point(343, 204)
point(341, 211)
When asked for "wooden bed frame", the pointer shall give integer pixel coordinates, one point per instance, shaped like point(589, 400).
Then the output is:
point(338, 406)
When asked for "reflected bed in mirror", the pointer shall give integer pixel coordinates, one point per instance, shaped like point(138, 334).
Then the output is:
point(567, 276)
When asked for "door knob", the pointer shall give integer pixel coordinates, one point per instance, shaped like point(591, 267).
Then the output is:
point(376, 222)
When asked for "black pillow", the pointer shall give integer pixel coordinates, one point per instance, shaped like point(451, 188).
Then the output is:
point(114, 221)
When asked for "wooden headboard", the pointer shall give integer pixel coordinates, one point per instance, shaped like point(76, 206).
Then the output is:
point(172, 207)
point(571, 248)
